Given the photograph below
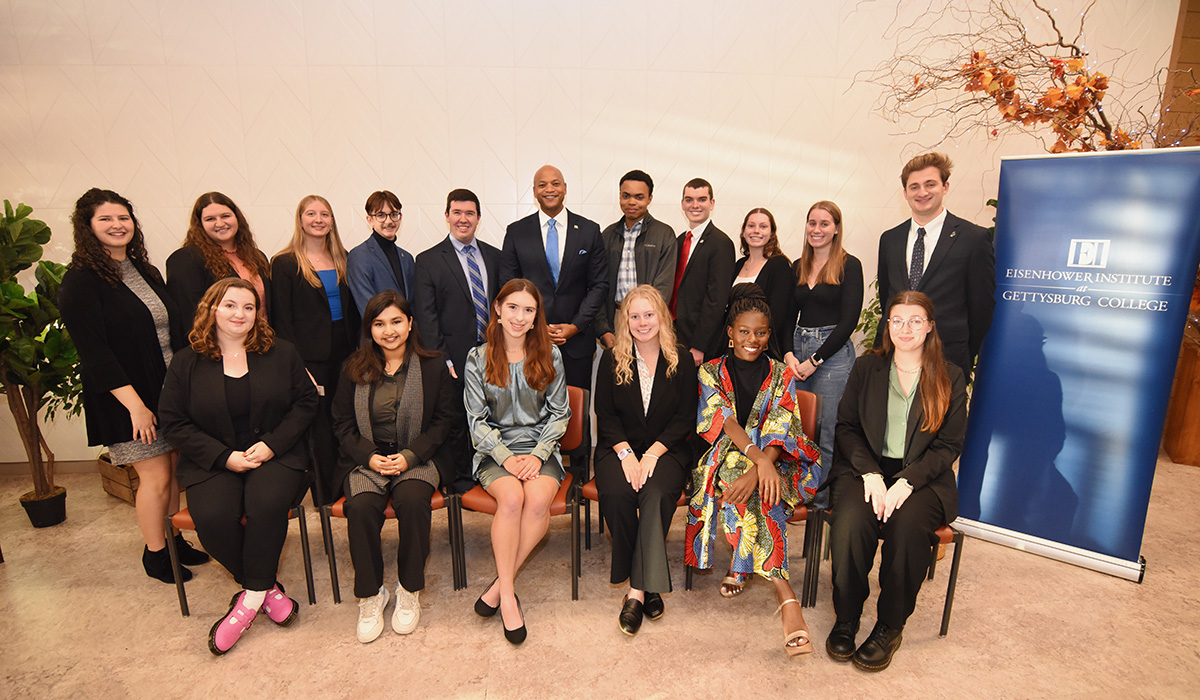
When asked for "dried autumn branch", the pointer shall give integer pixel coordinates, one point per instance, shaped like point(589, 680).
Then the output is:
point(996, 75)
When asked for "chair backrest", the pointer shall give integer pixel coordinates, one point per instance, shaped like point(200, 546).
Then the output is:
point(574, 435)
point(809, 406)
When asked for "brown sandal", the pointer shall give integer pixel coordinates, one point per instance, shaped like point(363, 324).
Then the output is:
point(804, 647)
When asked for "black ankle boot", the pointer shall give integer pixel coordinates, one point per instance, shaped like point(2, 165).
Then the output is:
point(158, 565)
point(188, 555)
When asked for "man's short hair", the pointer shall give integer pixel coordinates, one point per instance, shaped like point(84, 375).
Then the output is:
point(638, 176)
point(698, 183)
point(463, 195)
point(941, 161)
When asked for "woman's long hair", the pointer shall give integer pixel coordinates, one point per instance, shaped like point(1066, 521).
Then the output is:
point(832, 272)
point(935, 381)
point(539, 362)
point(333, 244)
point(623, 347)
point(203, 335)
point(243, 241)
point(90, 253)
point(365, 365)
point(771, 249)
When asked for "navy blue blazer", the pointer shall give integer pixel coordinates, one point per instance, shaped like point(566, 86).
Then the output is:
point(368, 272)
point(582, 277)
point(444, 310)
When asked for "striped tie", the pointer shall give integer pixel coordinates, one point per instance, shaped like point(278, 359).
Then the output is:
point(477, 294)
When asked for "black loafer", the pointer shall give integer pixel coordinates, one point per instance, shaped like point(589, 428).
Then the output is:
point(482, 609)
point(840, 642)
point(631, 616)
point(875, 654)
point(653, 607)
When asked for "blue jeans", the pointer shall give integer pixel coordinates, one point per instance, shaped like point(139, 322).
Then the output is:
point(828, 382)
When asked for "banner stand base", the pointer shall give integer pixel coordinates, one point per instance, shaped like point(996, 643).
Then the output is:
point(1129, 570)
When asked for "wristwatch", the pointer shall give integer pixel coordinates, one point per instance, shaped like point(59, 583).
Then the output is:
point(624, 453)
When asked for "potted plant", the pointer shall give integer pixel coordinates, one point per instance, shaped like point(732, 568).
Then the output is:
point(38, 363)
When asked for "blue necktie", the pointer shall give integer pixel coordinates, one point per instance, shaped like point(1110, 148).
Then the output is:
point(552, 249)
point(477, 294)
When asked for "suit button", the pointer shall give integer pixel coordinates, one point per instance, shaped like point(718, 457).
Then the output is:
point(258, 431)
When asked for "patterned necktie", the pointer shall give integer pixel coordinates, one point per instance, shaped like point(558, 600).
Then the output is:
point(917, 268)
point(478, 296)
point(680, 266)
point(552, 249)
point(627, 271)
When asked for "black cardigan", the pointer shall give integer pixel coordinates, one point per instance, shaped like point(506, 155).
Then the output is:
point(188, 278)
point(776, 280)
point(437, 419)
point(671, 418)
point(194, 413)
point(118, 346)
point(300, 312)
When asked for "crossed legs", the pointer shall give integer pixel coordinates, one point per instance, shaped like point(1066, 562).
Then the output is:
point(522, 517)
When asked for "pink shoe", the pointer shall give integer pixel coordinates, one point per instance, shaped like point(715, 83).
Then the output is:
point(230, 628)
point(281, 609)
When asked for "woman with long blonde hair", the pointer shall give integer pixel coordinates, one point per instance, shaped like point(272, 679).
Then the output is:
point(312, 307)
point(645, 413)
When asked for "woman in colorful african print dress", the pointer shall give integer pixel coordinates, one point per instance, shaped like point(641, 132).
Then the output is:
point(760, 464)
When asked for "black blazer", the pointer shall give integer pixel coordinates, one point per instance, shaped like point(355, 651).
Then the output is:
point(437, 419)
point(776, 280)
point(194, 413)
point(704, 292)
point(671, 418)
point(442, 304)
point(301, 315)
point(117, 343)
point(188, 278)
point(654, 258)
point(928, 457)
point(582, 277)
point(960, 279)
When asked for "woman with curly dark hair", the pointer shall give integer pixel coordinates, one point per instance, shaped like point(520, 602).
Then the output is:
point(125, 326)
point(237, 404)
point(218, 244)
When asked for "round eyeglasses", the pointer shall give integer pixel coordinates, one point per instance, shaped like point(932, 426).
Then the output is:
point(916, 323)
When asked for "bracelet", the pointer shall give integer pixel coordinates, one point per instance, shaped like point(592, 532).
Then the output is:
point(655, 457)
point(813, 359)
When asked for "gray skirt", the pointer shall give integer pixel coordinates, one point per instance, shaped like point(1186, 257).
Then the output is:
point(489, 471)
point(137, 451)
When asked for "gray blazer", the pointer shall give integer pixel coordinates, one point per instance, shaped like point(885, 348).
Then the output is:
point(654, 257)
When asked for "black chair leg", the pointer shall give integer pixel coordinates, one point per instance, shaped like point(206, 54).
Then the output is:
point(308, 573)
point(454, 519)
point(958, 544)
point(687, 577)
point(169, 529)
point(575, 573)
point(327, 535)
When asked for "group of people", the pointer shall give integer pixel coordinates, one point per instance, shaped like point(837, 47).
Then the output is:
point(250, 381)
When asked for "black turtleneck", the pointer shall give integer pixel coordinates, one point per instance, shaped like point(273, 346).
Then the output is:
point(748, 378)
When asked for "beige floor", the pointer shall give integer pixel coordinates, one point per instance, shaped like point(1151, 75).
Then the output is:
point(79, 619)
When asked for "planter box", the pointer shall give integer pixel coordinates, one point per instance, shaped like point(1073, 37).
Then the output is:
point(120, 480)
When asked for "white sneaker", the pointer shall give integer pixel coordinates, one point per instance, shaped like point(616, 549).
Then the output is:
point(370, 616)
point(408, 611)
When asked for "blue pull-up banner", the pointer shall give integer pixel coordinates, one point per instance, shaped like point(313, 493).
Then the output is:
point(1096, 259)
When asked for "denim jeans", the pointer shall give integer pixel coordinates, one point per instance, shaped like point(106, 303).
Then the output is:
point(828, 382)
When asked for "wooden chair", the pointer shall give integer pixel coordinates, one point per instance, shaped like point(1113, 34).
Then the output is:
point(480, 501)
point(437, 502)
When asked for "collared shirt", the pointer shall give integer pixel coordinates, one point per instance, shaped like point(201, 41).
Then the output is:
point(560, 225)
point(462, 260)
point(697, 232)
point(627, 278)
point(895, 430)
point(933, 231)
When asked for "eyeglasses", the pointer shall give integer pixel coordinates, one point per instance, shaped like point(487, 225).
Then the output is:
point(381, 217)
point(916, 323)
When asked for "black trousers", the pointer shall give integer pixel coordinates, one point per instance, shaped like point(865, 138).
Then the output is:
point(639, 520)
point(264, 495)
point(461, 450)
point(908, 537)
point(364, 522)
point(325, 447)
point(578, 371)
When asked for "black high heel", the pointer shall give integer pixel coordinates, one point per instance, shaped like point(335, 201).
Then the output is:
point(482, 609)
point(518, 635)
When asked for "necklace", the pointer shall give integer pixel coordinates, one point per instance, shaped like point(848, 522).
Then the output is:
point(236, 355)
point(901, 370)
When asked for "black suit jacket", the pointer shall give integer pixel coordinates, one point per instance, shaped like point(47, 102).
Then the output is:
point(193, 412)
point(442, 303)
point(582, 275)
point(300, 312)
point(654, 258)
point(704, 292)
point(670, 419)
point(188, 278)
point(960, 278)
point(928, 457)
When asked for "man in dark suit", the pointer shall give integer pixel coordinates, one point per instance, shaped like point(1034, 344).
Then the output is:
point(456, 282)
point(379, 262)
point(563, 254)
point(947, 258)
point(703, 276)
point(641, 250)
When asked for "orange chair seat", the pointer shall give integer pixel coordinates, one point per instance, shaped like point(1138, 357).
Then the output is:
point(480, 501)
point(338, 509)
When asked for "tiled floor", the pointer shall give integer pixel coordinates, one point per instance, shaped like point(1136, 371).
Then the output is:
point(79, 619)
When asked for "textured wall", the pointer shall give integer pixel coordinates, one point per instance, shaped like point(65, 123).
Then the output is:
point(268, 101)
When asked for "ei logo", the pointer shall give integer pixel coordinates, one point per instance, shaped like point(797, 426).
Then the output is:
point(1088, 253)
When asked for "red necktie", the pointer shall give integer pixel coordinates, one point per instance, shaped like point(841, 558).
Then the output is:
point(680, 266)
